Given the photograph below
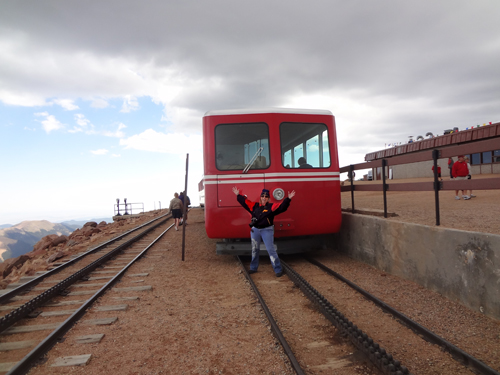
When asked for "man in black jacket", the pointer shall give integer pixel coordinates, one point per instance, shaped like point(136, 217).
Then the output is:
point(262, 226)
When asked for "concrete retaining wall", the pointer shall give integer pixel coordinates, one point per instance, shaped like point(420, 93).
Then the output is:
point(463, 266)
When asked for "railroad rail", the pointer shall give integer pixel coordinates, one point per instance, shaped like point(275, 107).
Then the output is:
point(374, 352)
point(378, 356)
point(122, 248)
point(383, 360)
point(461, 356)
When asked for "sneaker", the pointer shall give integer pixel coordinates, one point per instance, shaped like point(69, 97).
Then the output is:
point(252, 271)
point(457, 198)
point(279, 274)
point(466, 197)
point(472, 196)
point(176, 228)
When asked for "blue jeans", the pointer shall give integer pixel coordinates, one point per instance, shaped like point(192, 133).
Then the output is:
point(267, 235)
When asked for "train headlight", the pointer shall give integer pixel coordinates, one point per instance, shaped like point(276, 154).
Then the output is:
point(278, 194)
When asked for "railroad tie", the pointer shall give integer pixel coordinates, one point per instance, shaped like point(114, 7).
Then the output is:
point(73, 360)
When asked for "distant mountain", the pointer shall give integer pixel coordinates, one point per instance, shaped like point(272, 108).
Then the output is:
point(20, 238)
point(76, 224)
point(3, 226)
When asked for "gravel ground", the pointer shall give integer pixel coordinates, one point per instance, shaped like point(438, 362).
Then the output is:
point(479, 214)
point(202, 318)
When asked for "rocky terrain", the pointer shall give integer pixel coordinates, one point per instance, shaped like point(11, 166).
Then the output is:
point(55, 246)
point(19, 239)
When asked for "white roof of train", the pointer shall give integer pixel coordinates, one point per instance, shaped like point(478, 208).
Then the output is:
point(246, 111)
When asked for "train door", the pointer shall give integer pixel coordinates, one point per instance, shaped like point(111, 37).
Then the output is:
point(306, 156)
point(241, 152)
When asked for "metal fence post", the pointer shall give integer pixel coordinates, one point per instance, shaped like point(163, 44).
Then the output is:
point(437, 184)
point(185, 208)
point(351, 178)
point(384, 186)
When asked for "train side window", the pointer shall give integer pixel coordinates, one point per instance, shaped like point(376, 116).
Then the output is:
point(287, 159)
point(304, 145)
point(237, 144)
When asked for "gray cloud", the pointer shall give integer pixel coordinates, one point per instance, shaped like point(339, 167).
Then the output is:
point(418, 66)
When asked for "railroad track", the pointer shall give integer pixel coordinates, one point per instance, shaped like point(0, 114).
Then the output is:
point(331, 350)
point(62, 296)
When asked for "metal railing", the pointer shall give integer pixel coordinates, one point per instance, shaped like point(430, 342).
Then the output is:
point(122, 209)
point(436, 185)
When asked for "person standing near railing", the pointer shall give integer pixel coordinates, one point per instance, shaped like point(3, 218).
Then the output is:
point(450, 166)
point(469, 176)
point(439, 172)
point(460, 172)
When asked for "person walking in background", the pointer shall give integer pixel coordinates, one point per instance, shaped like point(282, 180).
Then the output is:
point(460, 172)
point(176, 208)
point(469, 175)
point(262, 227)
point(450, 166)
point(439, 172)
point(187, 202)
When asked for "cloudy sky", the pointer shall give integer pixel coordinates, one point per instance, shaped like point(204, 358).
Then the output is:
point(103, 99)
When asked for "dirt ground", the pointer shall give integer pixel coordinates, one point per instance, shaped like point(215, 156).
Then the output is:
point(479, 214)
point(201, 316)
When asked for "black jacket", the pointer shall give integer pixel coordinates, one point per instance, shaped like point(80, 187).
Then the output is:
point(264, 215)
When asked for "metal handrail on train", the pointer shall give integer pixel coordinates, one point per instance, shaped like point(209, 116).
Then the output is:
point(436, 185)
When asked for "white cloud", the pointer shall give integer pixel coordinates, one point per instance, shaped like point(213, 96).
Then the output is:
point(176, 143)
point(101, 151)
point(67, 104)
point(129, 104)
point(50, 123)
point(82, 125)
point(81, 120)
point(117, 133)
point(99, 103)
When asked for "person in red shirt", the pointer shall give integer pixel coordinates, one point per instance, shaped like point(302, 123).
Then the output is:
point(450, 166)
point(439, 172)
point(460, 171)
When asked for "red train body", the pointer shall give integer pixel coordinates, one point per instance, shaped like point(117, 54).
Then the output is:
point(257, 149)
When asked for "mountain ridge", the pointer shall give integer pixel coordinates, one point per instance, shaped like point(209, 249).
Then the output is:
point(20, 238)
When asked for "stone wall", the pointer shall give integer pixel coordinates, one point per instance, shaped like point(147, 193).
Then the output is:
point(463, 266)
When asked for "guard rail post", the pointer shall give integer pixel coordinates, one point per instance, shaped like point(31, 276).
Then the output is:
point(351, 178)
point(384, 186)
point(437, 184)
point(185, 208)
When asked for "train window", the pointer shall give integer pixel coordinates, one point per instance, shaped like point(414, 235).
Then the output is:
point(304, 145)
point(237, 144)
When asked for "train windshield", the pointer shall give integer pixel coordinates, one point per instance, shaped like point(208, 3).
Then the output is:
point(304, 145)
point(237, 144)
